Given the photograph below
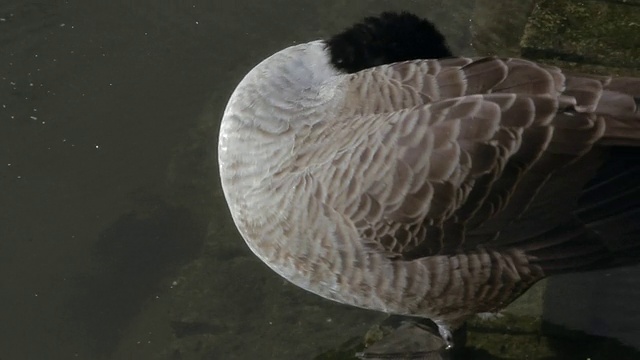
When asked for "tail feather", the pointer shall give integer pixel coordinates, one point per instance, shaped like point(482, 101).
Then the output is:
point(620, 106)
point(617, 100)
point(605, 230)
point(625, 85)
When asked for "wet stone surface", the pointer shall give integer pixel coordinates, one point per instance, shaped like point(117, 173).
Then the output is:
point(600, 33)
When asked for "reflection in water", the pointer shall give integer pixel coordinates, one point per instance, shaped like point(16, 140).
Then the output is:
point(604, 303)
point(101, 99)
point(133, 257)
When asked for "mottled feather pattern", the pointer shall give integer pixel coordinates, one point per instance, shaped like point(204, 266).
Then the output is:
point(425, 148)
point(406, 172)
point(433, 188)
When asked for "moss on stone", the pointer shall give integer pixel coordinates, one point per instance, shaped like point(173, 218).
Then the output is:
point(595, 32)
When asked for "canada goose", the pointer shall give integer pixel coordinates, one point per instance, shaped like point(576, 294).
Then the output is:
point(376, 170)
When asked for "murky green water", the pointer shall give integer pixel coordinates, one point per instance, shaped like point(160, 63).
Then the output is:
point(115, 241)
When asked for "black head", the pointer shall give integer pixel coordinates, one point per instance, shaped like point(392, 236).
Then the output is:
point(384, 39)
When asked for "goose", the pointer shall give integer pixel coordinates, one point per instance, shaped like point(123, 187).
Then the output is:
point(376, 169)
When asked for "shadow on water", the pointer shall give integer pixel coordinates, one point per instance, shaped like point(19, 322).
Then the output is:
point(132, 257)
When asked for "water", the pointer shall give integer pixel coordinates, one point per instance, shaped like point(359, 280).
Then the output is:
point(115, 241)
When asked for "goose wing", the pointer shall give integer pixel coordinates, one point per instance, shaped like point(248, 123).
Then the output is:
point(446, 156)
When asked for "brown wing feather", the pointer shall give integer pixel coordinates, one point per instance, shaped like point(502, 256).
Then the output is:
point(460, 166)
point(447, 171)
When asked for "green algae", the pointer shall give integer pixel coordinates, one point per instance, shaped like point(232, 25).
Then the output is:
point(600, 33)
